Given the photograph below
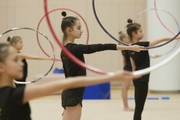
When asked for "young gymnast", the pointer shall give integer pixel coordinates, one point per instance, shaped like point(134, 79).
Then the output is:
point(14, 102)
point(126, 66)
point(140, 60)
point(17, 43)
point(72, 98)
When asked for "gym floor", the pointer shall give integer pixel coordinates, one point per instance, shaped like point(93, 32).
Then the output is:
point(49, 108)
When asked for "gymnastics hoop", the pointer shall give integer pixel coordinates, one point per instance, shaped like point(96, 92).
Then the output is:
point(149, 9)
point(100, 24)
point(148, 70)
point(26, 28)
point(139, 72)
point(155, 7)
point(72, 57)
point(67, 9)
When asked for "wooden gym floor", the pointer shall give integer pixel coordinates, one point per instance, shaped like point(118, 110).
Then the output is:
point(49, 108)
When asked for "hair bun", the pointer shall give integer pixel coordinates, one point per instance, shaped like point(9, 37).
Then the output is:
point(63, 13)
point(120, 32)
point(9, 38)
point(129, 21)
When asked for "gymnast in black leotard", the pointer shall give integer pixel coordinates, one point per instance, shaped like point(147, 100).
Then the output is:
point(72, 98)
point(17, 43)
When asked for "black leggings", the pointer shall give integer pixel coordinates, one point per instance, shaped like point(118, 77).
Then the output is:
point(141, 90)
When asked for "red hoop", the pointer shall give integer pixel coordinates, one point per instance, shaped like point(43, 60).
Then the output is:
point(77, 61)
point(67, 9)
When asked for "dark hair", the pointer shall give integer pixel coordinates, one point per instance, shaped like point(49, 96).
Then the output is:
point(13, 39)
point(3, 51)
point(67, 22)
point(132, 27)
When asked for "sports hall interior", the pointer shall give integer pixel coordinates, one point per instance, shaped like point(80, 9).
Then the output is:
point(163, 100)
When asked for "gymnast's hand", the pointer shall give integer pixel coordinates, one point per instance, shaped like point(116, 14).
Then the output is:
point(178, 37)
point(137, 48)
point(154, 56)
point(51, 58)
point(124, 76)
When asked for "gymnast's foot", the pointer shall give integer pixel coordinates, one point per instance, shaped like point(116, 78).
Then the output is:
point(128, 109)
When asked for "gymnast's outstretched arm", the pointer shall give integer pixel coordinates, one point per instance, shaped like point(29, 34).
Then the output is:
point(38, 90)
